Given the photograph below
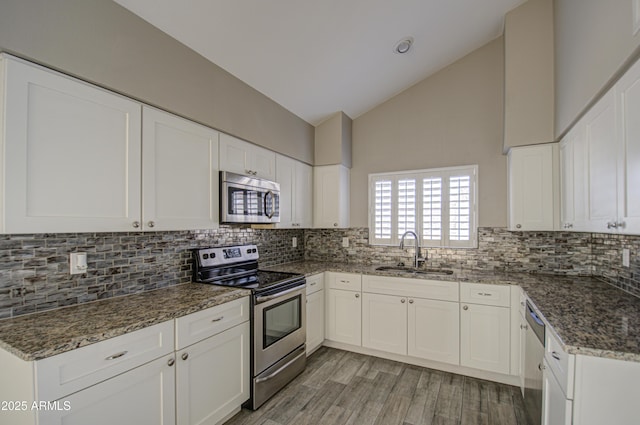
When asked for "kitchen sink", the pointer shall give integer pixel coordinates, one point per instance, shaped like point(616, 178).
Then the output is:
point(413, 270)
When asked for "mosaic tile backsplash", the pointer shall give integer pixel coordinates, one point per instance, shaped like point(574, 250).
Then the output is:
point(34, 268)
point(563, 253)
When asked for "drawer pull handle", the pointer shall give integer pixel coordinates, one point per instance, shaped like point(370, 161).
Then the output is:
point(218, 319)
point(541, 366)
point(313, 283)
point(555, 355)
point(484, 294)
point(344, 281)
point(117, 355)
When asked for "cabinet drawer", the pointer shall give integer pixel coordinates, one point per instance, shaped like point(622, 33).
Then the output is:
point(408, 287)
point(72, 371)
point(345, 281)
point(203, 324)
point(561, 363)
point(315, 283)
point(479, 293)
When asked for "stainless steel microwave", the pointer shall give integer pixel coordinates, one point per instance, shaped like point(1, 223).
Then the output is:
point(249, 200)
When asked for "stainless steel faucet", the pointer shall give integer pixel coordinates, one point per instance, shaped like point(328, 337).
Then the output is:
point(418, 259)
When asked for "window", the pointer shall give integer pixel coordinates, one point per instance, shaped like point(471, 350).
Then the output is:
point(439, 205)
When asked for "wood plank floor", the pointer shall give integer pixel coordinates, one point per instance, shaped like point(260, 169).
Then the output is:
point(340, 387)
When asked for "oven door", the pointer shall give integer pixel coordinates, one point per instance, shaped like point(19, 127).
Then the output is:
point(249, 204)
point(280, 326)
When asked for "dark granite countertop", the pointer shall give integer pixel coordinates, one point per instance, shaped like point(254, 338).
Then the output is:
point(39, 335)
point(589, 316)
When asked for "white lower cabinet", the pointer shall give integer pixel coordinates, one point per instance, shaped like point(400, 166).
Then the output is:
point(484, 337)
point(434, 330)
point(556, 409)
point(384, 323)
point(315, 312)
point(344, 316)
point(142, 396)
point(212, 377)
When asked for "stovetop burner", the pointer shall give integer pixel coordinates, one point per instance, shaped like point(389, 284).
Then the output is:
point(238, 267)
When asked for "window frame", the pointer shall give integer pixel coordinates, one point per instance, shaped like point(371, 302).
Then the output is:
point(445, 173)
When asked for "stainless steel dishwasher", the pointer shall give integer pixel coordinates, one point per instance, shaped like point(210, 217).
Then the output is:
point(533, 366)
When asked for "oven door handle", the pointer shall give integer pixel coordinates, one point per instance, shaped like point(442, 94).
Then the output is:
point(273, 204)
point(264, 299)
point(281, 368)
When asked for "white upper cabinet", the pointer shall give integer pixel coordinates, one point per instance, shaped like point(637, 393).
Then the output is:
point(242, 157)
point(629, 124)
point(71, 158)
point(573, 181)
point(296, 187)
point(179, 173)
point(602, 150)
point(331, 196)
point(533, 182)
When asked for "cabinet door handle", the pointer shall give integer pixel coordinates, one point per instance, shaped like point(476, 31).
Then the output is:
point(117, 355)
point(518, 226)
point(524, 327)
point(555, 355)
point(410, 301)
point(151, 224)
point(403, 301)
point(335, 224)
point(185, 356)
point(135, 224)
point(541, 366)
point(612, 225)
point(171, 362)
point(466, 307)
point(217, 319)
point(357, 295)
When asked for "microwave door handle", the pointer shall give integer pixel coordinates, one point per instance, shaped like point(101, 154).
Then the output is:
point(273, 204)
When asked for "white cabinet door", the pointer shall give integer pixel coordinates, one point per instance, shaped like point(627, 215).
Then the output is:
point(212, 377)
point(574, 180)
point(331, 196)
point(434, 330)
point(303, 195)
point(179, 173)
point(71, 159)
point(532, 187)
point(384, 323)
point(242, 157)
point(602, 150)
point(145, 396)
point(344, 316)
point(315, 320)
point(296, 187)
point(484, 337)
point(628, 93)
point(286, 176)
point(556, 409)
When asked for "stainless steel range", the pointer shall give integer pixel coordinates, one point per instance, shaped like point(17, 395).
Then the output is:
point(278, 325)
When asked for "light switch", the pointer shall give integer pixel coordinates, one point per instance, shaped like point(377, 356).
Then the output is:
point(78, 262)
point(625, 257)
point(294, 242)
point(345, 242)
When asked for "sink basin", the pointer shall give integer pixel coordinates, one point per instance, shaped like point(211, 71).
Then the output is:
point(413, 270)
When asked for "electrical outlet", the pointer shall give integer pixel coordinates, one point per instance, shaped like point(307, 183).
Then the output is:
point(345, 242)
point(625, 257)
point(294, 242)
point(78, 263)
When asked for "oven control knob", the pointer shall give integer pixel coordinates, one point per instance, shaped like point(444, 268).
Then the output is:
point(205, 256)
point(212, 255)
point(248, 251)
point(254, 250)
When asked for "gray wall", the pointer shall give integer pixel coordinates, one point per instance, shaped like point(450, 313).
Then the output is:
point(593, 41)
point(454, 117)
point(528, 69)
point(101, 42)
